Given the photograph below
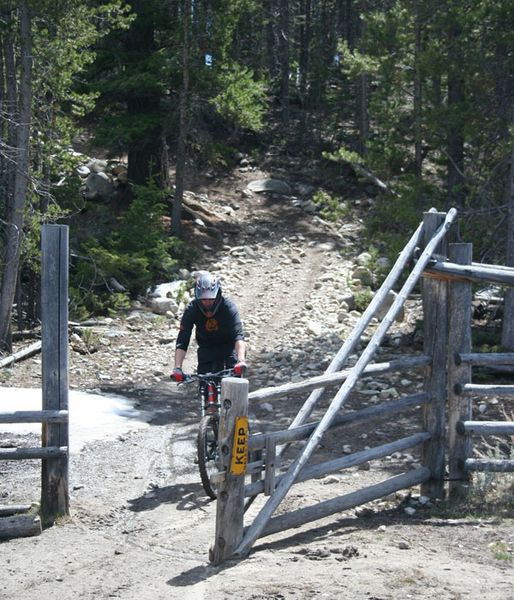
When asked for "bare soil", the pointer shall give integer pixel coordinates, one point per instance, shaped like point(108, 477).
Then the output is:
point(140, 526)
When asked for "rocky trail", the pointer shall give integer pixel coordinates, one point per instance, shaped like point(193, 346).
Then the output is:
point(140, 525)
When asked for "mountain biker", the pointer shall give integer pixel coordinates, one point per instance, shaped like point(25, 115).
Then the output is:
point(218, 329)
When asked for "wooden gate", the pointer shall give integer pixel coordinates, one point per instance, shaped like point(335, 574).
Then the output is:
point(265, 450)
point(54, 414)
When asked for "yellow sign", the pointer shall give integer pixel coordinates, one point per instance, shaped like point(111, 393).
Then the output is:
point(240, 447)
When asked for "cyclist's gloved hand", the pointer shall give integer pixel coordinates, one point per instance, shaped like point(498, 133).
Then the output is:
point(240, 368)
point(177, 374)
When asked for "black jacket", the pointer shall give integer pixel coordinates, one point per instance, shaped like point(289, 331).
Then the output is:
point(224, 329)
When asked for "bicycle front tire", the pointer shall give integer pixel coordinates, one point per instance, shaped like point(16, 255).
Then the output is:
point(207, 447)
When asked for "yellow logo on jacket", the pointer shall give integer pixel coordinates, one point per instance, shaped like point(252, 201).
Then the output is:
point(211, 325)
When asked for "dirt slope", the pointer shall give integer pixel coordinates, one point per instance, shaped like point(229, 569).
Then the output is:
point(140, 526)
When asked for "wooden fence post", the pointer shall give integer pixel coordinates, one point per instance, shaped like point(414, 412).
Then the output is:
point(233, 444)
point(54, 321)
point(435, 310)
point(460, 295)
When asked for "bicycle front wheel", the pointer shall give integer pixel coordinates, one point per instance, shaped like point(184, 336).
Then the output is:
point(207, 446)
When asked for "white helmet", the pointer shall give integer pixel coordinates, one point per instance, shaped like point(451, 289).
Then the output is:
point(208, 287)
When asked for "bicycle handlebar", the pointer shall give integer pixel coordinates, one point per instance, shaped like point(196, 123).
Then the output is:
point(206, 376)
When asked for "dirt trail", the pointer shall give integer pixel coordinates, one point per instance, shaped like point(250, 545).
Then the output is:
point(140, 526)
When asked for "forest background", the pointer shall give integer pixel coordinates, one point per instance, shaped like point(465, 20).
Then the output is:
point(415, 95)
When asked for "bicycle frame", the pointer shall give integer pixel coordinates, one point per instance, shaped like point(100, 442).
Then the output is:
point(209, 389)
point(207, 439)
point(210, 392)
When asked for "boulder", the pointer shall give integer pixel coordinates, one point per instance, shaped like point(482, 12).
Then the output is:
point(83, 171)
point(167, 290)
point(97, 185)
point(386, 305)
point(275, 186)
point(364, 275)
point(97, 165)
point(163, 306)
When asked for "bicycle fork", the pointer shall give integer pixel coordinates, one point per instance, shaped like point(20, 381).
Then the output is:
point(210, 393)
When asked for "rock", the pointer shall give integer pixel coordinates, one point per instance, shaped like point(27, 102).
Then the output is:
point(276, 186)
point(348, 299)
point(364, 275)
point(83, 171)
point(97, 185)
point(383, 263)
point(97, 165)
point(364, 259)
point(163, 306)
point(314, 328)
point(386, 305)
point(168, 290)
point(329, 480)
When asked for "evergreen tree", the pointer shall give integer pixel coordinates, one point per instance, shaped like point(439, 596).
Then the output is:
point(45, 44)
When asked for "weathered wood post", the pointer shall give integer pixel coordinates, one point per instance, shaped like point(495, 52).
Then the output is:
point(460, 295)
point(435, 310)
point(54, 327)
point(233, 444)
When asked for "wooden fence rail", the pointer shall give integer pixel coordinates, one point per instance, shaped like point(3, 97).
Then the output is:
point(345, 462)
point(485, 390)
point(485, 427)
point(474, 272)
point(46, 452)
point(258, 441)
point(327, 380)
point(34, 416)
point(491, 466)
point(341, 503)
point(484, 359)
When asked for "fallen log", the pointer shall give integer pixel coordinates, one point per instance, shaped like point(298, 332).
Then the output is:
point(26, 334)
point(21, 354)
point(20, 526)
point(14, 509)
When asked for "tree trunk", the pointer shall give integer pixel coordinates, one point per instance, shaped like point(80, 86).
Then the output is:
point(15, 218)
point(418, 156)
point(270, 39)
point(3, 126)
point(304, 58)
point(176, 225)
point(283, 49)
point(144, 153)
point(455, 143)
point(363, 95)
point(508, 310)
point(11, 117)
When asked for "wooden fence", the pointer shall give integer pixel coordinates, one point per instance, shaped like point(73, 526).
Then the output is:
point(444, 402)
point(460, 272)
point(54, 414)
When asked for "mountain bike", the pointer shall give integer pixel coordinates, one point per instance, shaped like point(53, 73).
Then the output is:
point(209, 393)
